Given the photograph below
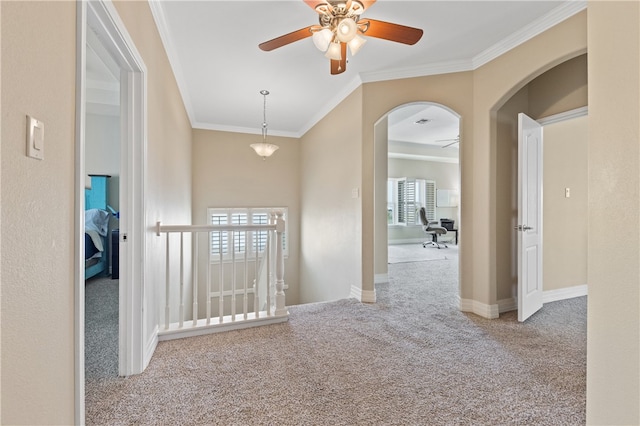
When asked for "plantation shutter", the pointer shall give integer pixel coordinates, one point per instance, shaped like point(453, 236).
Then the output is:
point(407, 201)
point(430, 199)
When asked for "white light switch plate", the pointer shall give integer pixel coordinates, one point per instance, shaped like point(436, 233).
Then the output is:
point(35, 138)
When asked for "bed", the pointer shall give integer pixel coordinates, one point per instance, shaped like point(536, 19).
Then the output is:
point(96, 217)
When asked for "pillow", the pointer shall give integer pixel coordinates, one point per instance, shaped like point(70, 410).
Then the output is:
point(97, 220)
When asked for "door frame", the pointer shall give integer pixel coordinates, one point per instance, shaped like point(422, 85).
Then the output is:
point(102, 17)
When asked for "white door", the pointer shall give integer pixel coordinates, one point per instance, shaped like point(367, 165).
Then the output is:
point(529, 228)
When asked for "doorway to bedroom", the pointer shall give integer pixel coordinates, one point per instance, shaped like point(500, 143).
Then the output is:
point(102, 201)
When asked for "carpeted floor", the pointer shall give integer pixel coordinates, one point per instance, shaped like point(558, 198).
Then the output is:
point(101, 328)
point(411, 359)
point(414, 252)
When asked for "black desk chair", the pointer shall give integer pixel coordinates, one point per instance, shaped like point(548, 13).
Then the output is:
point(433, 229)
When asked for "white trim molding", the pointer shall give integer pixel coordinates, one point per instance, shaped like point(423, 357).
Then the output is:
point(511, 304)
point(365, 296)
point(564, 293)
point(478, 308)
point(564, 116)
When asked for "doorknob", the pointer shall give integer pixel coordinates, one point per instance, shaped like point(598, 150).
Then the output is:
point(526, 228)
point(518, 227)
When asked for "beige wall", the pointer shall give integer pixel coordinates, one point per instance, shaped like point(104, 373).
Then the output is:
point(613, 325)
point(494, 84)
point(330, 164)
point(381, 165)
point(38, 78)
point(565, 229)
point(453, 91)
point(228, 173)
point(506, 204)
point(169, 139)
point(560, 89)
point(543, 94)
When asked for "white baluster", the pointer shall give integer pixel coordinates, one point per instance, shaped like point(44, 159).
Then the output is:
point(245, 304)
point(167, 309)
point(194, 275)
point(209, 284)
point(233, 276)
point(256, 297)
point(267, 251)
point(181, 279)
point(280, 297)
point(221, 281)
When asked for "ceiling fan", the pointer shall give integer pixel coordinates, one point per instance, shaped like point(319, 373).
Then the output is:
point(341, 26)
point(451, 141)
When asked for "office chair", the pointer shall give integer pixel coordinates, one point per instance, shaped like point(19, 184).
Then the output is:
point(433, 229)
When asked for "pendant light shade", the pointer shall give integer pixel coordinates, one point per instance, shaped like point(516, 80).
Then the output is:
point(355, 44)
point(322, 38)
point(334, 52)
point(346, 30)
point(264, 149)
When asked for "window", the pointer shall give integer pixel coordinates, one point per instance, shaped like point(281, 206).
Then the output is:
point(406, 196)
point(254, 241)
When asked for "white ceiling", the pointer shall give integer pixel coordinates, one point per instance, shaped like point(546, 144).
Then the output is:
point(213, 50)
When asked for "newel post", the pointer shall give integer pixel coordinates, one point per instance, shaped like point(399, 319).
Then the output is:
point(281, 309)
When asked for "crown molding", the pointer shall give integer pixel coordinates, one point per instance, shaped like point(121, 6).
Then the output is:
point(421, 71)
point(417, 157)
point(526, 33)
point(247, 130)
point(554, 17)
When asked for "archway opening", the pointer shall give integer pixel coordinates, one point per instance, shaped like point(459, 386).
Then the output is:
point(417, 166)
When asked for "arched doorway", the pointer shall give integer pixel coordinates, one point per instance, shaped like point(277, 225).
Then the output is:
point(416, 143)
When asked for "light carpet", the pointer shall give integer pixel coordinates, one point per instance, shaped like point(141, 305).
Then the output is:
point(412, 358)
point(101, 328)
point(414, 252)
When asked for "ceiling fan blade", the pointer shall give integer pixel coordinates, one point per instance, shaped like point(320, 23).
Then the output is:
point(392, 32)
point(268, 46)
point(449, 144)
point(367, 3)
point(338, 67)
point(313, 3)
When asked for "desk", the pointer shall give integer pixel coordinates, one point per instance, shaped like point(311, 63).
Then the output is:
point(456, 231)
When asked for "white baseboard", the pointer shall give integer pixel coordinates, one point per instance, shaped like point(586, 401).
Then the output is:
point(506, 305)
point(564, 293)
point(365, 296)
point(380, 278)
point(511, 304)
point(150, 347)
point(478, 308)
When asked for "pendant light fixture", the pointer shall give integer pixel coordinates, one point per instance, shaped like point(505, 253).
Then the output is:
point(264, 149)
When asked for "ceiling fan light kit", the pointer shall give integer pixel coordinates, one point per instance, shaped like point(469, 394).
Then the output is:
point(340, 25)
